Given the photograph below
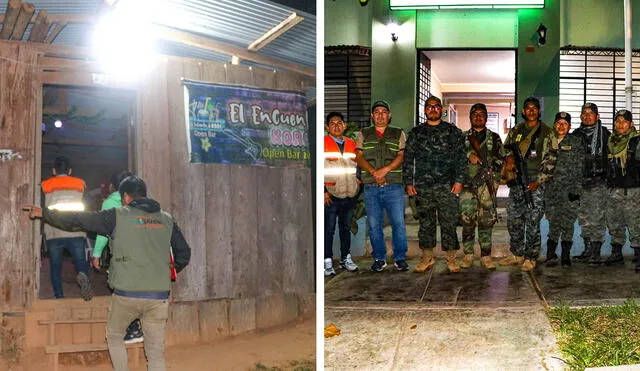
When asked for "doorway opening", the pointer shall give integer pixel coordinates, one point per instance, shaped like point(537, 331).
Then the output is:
point(93, 128)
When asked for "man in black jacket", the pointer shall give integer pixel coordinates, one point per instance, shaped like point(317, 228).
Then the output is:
point(142, 236)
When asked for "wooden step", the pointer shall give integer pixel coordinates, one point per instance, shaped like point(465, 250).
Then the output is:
point(75, 348)
point(71, 321)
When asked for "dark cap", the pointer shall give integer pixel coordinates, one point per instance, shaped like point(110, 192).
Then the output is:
point(562, 116)
point(433, 97)
point(624, 113)
point(592, 106)
point(478, 106)
point(380, 103)
point(533, 100)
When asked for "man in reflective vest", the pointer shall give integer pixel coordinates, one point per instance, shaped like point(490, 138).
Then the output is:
point(340, 190)
point(63, 192)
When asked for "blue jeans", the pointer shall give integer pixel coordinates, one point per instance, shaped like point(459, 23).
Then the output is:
point(341, 209)
point(377, 200)
point(55, 247)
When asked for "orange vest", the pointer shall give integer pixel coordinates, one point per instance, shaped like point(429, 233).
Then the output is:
point(340, 168)
point(62, 191)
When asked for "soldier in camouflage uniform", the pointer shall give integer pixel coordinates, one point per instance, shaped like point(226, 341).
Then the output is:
point(434, 169)
point(538, 147)
point(623, 176)
point(477, 200)
point(593, 201)
point(562, 194)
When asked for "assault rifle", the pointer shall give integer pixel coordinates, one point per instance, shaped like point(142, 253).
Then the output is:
point(486, 173)
point(521, 179)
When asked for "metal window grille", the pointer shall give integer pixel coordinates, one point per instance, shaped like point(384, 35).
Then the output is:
point(424, 85)
point(347, 79)
point(597, 75)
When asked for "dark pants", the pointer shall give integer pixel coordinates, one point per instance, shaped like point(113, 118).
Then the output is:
point(342, 210)
point(55, 247)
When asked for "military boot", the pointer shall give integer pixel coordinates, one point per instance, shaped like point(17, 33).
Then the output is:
point(552, 257)
point(616, 255)
point(565, 259)
point(512, 260)
point(452, 265)
point(426, 261)
point(636, 253)
point(586, 254)
point(595, 253)
point(467, 261)
point(487, 263)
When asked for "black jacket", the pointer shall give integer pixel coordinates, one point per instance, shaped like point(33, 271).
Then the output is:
point(104, 223)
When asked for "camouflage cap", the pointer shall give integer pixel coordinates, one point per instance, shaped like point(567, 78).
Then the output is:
point(592, 106)
point(478, 106)
point(624, 113)
point(563, 116)
point(533, 100)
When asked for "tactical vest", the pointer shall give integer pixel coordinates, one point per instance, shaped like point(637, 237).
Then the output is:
point(631, 177)
point(140, 247)
point(340, 168)
point(63, 193)
point(380, 152)
point(486, 149)
point(536, 151)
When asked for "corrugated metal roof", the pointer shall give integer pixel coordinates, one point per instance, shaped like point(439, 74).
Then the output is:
point(235, 22)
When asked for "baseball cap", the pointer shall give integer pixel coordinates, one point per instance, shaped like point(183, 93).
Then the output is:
point(433, 97)
point(624, 113)
point(592, 106)
point(381, 103)
point(563, 116)
point(533, 100)
point(478, 106)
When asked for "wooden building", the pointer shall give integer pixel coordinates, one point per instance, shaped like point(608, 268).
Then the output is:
point(250, 228)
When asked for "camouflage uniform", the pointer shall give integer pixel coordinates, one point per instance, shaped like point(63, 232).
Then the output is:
point(523, 222)
point(477, 206)
point(561, 195)
point(434, 160)
point(623, 176)
point(593, 201)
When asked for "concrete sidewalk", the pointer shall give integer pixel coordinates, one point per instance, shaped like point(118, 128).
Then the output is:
point(472, 320)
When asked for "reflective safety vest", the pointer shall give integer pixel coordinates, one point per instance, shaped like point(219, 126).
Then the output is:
point(63, 193)
point(340, 168)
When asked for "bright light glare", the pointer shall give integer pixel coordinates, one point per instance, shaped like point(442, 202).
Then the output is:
point(123, 41)
point(393, 28)
point(57, 124)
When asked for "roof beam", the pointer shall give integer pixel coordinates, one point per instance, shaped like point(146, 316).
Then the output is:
point(187, 38)
point(61, 18)
point(275, 32)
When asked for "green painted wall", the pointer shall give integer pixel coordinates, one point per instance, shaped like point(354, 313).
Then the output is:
point(539, 70)
point(346, 22)
point(393, 64)
point(597, 23)
point(467, 28)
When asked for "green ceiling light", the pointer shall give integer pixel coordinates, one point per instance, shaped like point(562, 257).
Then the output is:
point(364, 2)
point(464, 4)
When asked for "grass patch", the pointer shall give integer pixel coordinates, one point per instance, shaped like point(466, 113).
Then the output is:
point(598, 336)
point(300, 365)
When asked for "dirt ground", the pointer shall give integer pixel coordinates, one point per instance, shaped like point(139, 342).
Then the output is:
point(287, 348)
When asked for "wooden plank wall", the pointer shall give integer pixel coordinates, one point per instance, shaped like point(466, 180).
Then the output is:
point(249, 227)
point(19, 97)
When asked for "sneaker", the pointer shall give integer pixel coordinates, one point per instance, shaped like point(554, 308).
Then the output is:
point(134, 333)
point(379, 265)
point(328, 268)
point(348, 264)
point(402, 265)
point(134, 337)
point(85, 286)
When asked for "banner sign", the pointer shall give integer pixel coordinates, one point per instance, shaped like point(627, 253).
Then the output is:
point(231, 124)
